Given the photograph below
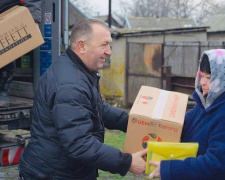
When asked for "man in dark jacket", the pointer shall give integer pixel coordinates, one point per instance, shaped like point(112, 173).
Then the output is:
point(6, 72)
point(69, 116)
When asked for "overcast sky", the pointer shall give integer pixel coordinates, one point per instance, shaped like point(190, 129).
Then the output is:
point(101, 6)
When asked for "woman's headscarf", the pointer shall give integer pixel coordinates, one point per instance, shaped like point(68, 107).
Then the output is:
point(217, 79)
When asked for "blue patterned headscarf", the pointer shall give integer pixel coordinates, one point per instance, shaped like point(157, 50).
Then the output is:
point(217, 78)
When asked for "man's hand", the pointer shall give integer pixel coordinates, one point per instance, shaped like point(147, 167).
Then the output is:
point(138, 164)
point(156, 172)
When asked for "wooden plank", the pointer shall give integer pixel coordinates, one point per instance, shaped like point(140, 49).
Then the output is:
point(144, 68)
point(135, 83)
point(211, 45)
point(136, 62)
point(22, 89)
point(190, 61)
point(145, 59)
point(18, 101)
point(182, 59)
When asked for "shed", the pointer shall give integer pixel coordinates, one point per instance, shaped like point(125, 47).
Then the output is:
point(216, 23)
point(165, 23)
point(75, 14)
point(115, 22)
point(138, 55)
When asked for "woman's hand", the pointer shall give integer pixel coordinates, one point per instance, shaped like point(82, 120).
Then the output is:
point(156, 172)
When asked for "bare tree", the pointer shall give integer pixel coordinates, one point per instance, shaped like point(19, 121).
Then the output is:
point(182, 8)
point(125, 8)
point(150, 8)
point(85, 7)
point(200, 10)
point(207, 9)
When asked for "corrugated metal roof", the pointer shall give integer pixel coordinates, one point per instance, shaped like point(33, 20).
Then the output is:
point(102, 18)
point(217, 21)
point(148, 22)
point(134, 31)
point(75, 14)
point(221, 10)
point(114, 22)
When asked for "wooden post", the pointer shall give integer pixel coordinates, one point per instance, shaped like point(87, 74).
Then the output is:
point(110, 14)
point(168, 78)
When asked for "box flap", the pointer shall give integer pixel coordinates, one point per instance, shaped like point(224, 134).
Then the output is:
point(11, 10)
point(145, 100)
point(160, 104)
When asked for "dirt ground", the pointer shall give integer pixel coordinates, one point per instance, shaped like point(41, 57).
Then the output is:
point(12, 173)
point(9, 173)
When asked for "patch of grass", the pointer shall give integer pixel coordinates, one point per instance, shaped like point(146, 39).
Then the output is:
point(15, 132)
point(117, 139)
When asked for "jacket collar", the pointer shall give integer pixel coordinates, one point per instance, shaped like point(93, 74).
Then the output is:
point(92, 76)
point(218, 102)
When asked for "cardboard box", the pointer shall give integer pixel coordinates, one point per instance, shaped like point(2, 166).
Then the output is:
point(156, 115)
point(18, 34)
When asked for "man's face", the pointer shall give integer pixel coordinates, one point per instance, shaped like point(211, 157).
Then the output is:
point(98, 47)
point(205, 83)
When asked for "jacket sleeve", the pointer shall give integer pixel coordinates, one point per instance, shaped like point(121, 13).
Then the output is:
point(211, 165)
point(72, 117)
point(114, 118)
point(35, 9)
point(187, 120)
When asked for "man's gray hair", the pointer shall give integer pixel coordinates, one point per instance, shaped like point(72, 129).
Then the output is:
point(84, 30)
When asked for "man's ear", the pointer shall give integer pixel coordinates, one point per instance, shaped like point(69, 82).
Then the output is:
point(82, 46)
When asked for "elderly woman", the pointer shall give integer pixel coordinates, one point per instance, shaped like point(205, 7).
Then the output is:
point(204, 124)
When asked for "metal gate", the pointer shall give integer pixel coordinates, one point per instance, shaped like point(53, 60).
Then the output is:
point(181, 59)
point(144, 62)
point(143, 67)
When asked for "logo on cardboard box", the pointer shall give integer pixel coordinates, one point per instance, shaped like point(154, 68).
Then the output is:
point(150, 137)
point(134, 120)
point(173, 108)
point(154, 124)
point(146, 99)
point(13, 38)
